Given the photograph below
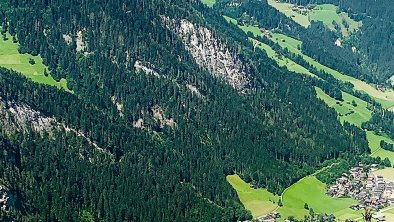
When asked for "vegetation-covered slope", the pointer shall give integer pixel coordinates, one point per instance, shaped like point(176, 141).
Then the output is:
point(173, 124)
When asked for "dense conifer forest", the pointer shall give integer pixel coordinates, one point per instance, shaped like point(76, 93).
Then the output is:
point(271, 136)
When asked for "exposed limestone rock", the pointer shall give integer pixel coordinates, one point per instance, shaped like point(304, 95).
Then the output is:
point(159, 115)
point(141, 67)
point(99, 153)
point(139, 124)
point(67, 38)
point(195, 91)
point(119, 106)
point(212, 54)
point(338, 43)
point(81, 44)
point(3, 198)
point(80, 41)
point(18, 117)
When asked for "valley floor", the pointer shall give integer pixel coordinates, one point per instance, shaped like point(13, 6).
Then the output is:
point(352, 110)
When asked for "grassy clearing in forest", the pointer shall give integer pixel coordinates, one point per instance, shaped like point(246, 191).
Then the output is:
point(281, 60)
point(361, 114)
point(10, 58)
point(258, 201)
point(209, 3)
point(355, 114)
point(376, 149)
point(326, 13)
point(313, 192)
point(286, 8)
point(386, 98)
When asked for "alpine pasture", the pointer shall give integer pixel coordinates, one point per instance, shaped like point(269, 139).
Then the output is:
point(30, 66)
point(258, 201)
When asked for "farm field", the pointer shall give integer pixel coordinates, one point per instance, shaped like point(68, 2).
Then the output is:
point(285, 8)
point(282, 61)
point(295, 196)
point(326, 13)
point(258, 201)
point(385, 98)
point(346, 111)
point(387, 173)
point(10, 58)
point(311, 191)
point(389, 215)
point(376, 150)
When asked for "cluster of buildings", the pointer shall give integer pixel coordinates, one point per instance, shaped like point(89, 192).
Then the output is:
point(269, 217)
point(370, 190)
point(303, 9)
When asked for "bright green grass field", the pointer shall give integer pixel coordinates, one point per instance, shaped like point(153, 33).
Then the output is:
point(361, 112)
point(384, 98)
point(285, 8)
point(311, 191)
point(10, 58)
point(326, 13)
point(389, 215)
point(387, 173)
point(376, 150)
point(281, 60)
point(258, 201)
point(209, 3)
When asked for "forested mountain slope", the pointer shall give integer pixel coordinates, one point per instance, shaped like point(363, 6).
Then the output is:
point(168, 99)
point(372, 44)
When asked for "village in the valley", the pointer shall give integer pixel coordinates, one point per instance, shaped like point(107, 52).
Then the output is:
point(371, 191)
point(361, 183)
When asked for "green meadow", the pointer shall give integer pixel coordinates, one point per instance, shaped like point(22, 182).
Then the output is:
point(353, 110)
point(386, 98)
point(346, 110)
point(281, 60)
point(10, 58)
point(286, 8)
point(313, 192)
point(376, 149)
point(326, 13)
point(258, 201)
point(209, 3)
point(387, 173)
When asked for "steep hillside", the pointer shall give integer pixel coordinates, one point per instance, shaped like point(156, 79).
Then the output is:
point(168, 99)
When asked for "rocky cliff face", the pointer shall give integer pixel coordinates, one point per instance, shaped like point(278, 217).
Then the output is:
point(212, 54)
point(18, 117)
